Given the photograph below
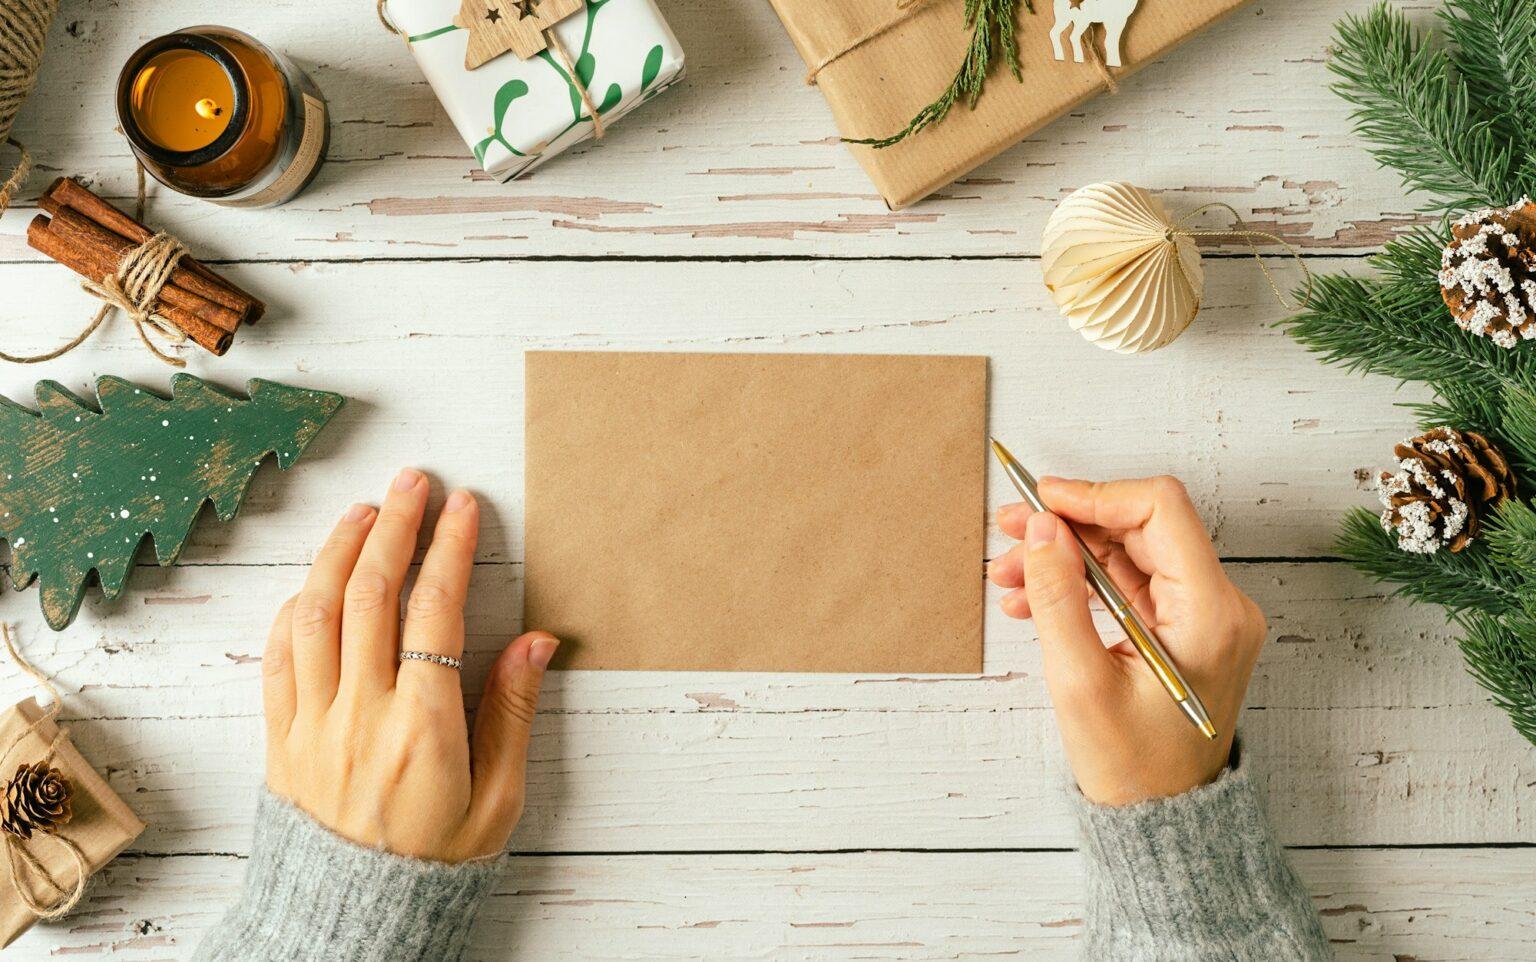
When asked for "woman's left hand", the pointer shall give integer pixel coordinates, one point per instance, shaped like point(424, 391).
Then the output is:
point(375, 749)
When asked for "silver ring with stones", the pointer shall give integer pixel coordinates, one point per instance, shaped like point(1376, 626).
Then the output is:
point(435, 659)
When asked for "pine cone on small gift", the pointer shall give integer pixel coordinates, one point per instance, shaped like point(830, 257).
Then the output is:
point(1488, 273)
point(1446, 481)
point(37, 799)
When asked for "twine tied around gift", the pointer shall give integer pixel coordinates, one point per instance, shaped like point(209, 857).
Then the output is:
point(1249, 237)
point(905, 10)
point(134, 288)
point(560, 52)
point(19, 858)
point(993, 32)
point(23, 30)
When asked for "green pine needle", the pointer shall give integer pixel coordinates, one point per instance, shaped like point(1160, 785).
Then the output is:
point(1462, 581)
point(1459, 123)
point(1419, 112)
point(1501, 655)
point(993, 25)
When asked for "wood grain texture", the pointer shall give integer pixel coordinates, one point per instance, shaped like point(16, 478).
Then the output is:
point(742, 159)
point(1360, 722)
point(1377, 906)
point(726, 216)
point(1272, 444)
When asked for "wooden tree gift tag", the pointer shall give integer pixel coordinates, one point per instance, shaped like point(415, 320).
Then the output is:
point(497, 26)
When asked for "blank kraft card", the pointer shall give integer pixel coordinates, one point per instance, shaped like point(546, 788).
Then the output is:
point(757, 512)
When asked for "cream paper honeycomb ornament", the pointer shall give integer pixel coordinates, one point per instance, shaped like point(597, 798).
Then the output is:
point(1124, 275)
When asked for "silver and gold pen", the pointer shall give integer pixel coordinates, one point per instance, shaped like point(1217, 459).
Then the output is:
point(1140, 635)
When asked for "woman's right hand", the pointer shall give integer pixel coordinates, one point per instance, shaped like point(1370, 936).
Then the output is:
point(1125, 738)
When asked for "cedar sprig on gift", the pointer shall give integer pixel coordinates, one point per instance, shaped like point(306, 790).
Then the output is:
point(37, 799)
point(993, 26)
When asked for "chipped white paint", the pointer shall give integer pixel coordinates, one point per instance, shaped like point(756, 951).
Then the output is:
point(871, 906)
point(743, 158)
point(1270, 447)
point(404, 281)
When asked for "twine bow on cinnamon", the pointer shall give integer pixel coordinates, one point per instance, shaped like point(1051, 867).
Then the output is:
point(134, 288)
point(23, 868)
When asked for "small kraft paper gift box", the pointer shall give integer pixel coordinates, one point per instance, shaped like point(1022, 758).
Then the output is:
point(880, 62)
point(523, 80)
point(59, 820)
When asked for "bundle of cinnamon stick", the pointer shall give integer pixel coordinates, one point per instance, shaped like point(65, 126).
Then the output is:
point(90, 237)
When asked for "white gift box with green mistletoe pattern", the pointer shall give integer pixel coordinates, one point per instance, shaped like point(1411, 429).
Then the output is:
point(515, 114)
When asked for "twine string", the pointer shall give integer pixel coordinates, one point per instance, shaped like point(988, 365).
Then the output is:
point(134, 289)
point(905, 10)
point(581, 88)
point(1249, 237)
point(1111, 85)
point(388, 24)
point(19, 858)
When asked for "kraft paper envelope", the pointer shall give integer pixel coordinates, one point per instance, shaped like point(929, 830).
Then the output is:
point(757, 512)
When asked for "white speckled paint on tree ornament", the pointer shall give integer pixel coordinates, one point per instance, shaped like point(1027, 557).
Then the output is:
point(515, 114)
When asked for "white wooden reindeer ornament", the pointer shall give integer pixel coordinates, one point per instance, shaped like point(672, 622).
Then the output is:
point(1079, 15)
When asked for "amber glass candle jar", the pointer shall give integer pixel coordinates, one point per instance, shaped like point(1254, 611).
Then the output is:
point(212, 113)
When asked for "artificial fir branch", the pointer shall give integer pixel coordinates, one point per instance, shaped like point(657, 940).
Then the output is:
point(1419, 113)
point(1463, 581)
point(993, 26)
point(1501, 655)
point(1493, 45)
point(1400, 330)
point(1459, 123)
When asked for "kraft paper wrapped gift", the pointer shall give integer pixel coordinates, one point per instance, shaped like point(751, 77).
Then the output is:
point(515, 114)
point(878, 62)
point(100, 827)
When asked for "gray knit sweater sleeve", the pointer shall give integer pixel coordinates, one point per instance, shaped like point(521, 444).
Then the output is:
point(1195, 878)
point(311, 895)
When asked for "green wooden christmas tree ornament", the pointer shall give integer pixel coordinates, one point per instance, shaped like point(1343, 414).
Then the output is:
point(81, 486)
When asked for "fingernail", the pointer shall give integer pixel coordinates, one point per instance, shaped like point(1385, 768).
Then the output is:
point(457, 501)
point(540, 653)
point(407, 479)
point(1041, 530)
point(357, 514)
point(1009, 510)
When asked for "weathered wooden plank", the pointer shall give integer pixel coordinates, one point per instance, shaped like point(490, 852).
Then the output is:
point(188, 643)
point(1377, 906)
point(830, 779)
point(742, 159)
point(1270, 442)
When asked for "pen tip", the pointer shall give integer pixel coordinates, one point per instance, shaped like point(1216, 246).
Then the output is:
point(1208, 730)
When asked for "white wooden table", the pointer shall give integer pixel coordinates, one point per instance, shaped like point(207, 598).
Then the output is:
point(775, 816)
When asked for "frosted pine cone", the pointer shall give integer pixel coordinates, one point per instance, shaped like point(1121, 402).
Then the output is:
point(37, 799)
point(1488, 273)
point(1446, 481)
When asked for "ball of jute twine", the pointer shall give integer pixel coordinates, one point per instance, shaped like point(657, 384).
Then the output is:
point(23, 30)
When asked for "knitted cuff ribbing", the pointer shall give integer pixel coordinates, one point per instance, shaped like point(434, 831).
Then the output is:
point(1194, 878)
point(311, 895)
